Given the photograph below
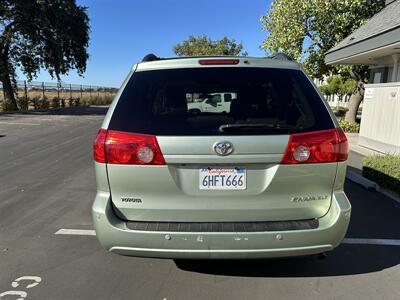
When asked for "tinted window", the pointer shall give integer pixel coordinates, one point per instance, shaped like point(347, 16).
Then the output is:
point(228, 97)
point(188, 102)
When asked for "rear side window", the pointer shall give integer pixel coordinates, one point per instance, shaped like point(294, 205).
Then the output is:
point(220, 101)
point(228, 97)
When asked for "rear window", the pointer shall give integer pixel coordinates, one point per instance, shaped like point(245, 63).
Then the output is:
point(220, 101)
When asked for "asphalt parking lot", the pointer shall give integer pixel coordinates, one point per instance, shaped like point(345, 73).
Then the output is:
point(47, 184)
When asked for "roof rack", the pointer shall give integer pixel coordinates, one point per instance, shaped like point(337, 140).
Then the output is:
point(150, 57)
point(281, 56)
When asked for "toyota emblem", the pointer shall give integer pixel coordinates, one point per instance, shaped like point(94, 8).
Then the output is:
point(223, 148)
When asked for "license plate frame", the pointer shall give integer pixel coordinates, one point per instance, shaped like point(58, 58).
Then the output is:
point(223, 179)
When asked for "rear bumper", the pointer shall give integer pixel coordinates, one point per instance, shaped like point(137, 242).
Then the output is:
point(115, 236)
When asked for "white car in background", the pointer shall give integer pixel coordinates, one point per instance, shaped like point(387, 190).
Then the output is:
point(214, 103)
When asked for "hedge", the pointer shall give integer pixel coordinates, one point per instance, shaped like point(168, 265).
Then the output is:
point(384, 170)
point(348, 126)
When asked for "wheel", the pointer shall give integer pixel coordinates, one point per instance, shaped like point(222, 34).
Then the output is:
point(195, 111)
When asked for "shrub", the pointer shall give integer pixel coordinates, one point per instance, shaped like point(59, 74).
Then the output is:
point(34, 102)
point(23, 103)
point(85, 102)
point(348, 126)
point(6, 106)
point(44, 103)
point(384, 170)
point(55, 102)
point(70, 101)
point(101, 100)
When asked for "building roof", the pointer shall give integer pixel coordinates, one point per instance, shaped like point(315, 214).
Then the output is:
point(381, 30)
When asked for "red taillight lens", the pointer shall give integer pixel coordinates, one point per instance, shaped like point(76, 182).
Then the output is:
point(99, 146)
point(129, 149)
point(316, 147)
point(208, 62)
point(343, 145)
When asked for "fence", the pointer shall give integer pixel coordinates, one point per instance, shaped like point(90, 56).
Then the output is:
point(30, 93)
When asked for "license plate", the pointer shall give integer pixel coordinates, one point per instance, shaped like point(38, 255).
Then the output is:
point(222, 179)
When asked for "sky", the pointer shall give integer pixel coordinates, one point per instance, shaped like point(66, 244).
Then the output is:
point(124, 31)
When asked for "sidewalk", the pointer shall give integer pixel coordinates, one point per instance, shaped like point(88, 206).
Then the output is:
point(357, 153)
point(353, 144)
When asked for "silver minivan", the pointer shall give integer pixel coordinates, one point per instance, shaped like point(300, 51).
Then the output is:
point(263, 178)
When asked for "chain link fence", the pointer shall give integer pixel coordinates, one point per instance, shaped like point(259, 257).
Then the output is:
point(39, 94)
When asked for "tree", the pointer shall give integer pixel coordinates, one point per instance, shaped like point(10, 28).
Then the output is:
point(307, 29)
point(48, 34)
point(347, 87)
point(325, 89)
point(203, 45)
point(335, 83)
point(338, 85)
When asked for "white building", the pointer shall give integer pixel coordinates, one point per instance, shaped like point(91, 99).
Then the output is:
point(377, 44)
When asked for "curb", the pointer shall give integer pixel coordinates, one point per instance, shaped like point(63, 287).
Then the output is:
point(370, 185)
point(364, 151)
point(360, 180)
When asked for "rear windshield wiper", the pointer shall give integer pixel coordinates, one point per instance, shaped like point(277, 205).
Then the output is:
point(251, 126)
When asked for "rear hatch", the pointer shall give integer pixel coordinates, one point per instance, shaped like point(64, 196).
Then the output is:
point(213, 166)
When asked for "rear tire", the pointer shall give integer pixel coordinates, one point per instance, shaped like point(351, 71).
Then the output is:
point(195, 111)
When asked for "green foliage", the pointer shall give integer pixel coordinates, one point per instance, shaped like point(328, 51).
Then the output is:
point(7, 106)
point(306, 29)
point(384, 170)
point(349, 126)
point(23, 103)
point(35, 102)
point(203, 45)
point(39, 103)
point(338, 85)
point(55, 102)
point(85, 102)
point(44, 103)
point(347, 87)
point(325, 89)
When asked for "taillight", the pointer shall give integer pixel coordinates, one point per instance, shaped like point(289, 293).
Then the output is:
point(316, 147)
point(99, 146)
point(218, 62)
point(129, 149)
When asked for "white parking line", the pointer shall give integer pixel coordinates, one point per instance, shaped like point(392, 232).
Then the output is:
point(385, 242)
point(76, 232)
point(353, 241)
